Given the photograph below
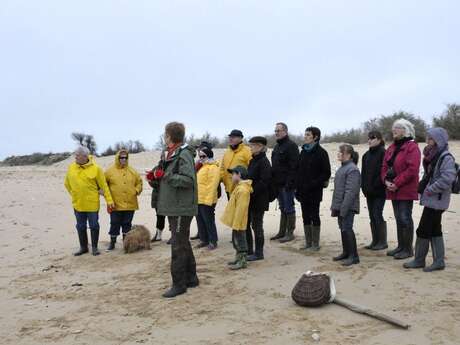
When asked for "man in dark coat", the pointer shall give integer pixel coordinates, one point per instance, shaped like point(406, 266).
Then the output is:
point(312, 177)
point(285, 157)
point(260, 172)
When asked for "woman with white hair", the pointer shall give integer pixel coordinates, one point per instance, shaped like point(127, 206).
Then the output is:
point(400, 173)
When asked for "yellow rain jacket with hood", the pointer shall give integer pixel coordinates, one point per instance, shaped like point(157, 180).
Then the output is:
point(125, 184)
point(240, 156)
point(83, 183)
point(237, 209)
point(208, 179)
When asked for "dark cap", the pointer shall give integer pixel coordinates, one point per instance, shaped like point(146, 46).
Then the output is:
point(240, 170)
point(258, 140)
point(236, 133)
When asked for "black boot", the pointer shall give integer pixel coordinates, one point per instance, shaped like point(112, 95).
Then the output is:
point(344, 254)
point(381, 231)
point(421, 250)
point(290, 227)
point(353, 258)
point(83, 239)
point(174, 291)
point(307, 230)
point(94, 241)
point(193, 282)
point(400, 242)
point(259, 252)
point(408, 238)
point(282, 228)
point(113, 240)
point(374, 237)
point(250, 241)
point(316, 231)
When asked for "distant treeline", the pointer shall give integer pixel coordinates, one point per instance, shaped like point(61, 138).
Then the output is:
point(448, 119)
point(35, 159)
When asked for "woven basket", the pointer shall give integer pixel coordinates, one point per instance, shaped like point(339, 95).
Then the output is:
point(312, 290)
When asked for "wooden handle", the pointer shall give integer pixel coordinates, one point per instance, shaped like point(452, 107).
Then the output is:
point(370, 312)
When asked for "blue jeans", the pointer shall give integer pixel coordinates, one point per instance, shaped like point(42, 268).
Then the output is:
point(206, 222)
point(346, 223)
point(87, 217)
point(403, 213)
point(286, 200)
point(120, 219)
point(375, 208)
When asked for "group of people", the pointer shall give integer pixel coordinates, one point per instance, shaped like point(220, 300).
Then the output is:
point(184, 187)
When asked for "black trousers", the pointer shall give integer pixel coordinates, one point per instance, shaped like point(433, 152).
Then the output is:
point(256, 225)
point(430, 223)
point(183, 265)
point(310, 213)
point(160, 225)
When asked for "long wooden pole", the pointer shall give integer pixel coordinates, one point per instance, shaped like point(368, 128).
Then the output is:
point(375, 314)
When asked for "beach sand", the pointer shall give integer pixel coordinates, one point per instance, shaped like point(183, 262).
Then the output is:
point(49, 296)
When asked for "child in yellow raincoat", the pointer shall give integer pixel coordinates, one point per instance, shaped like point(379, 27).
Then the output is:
point(236, 215)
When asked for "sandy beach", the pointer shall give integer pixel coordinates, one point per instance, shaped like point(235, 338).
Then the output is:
point(49, 296)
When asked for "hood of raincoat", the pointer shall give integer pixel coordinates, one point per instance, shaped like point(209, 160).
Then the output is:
point(440, 136)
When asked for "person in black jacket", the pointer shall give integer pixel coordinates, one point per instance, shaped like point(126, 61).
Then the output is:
point(313, 175)
point(374, 189)
point(285, 157)
point(260, 172)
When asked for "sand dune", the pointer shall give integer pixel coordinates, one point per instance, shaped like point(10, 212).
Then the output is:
point(50, 297)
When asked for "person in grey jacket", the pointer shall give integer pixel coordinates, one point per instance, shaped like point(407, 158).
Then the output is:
point(345, 202)
point(435, 189)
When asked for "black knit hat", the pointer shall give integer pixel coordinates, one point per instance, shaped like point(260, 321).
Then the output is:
point(207, 151)
point(258, 140)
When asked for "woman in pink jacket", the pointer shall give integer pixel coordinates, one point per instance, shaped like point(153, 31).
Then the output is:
point(400, 173)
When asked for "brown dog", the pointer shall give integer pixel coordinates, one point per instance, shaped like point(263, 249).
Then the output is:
point(136, 239)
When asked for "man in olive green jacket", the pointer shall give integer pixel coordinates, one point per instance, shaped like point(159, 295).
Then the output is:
point(178, 200)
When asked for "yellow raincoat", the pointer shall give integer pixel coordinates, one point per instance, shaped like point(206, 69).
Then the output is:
point(241, 156)
point(237, 209)
point(208, 179)
point(83, 183)
point(125, 185)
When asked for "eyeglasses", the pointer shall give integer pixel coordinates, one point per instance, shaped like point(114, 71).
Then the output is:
point(372, 137)
point(123, 158)
point(279, 130)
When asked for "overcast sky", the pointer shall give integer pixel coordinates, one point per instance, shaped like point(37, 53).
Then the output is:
point(122, 69)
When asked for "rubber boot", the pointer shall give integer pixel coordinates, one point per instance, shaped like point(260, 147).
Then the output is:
point(374, 237)
point(234, 261)
point(408, 238)
point(290, 227)
point(316, 230)
point(282, 228)
point(437, 247)
point(400, 242)
point(307, 230)
point(381, 231)
point(157, 237)
point(259, 252)
point(241, 263)
point(94, 241)
point(83, 239)
point(113, 240)
point(174, 291)
point(344, 254)
point(421, 250)
point(353, 258)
